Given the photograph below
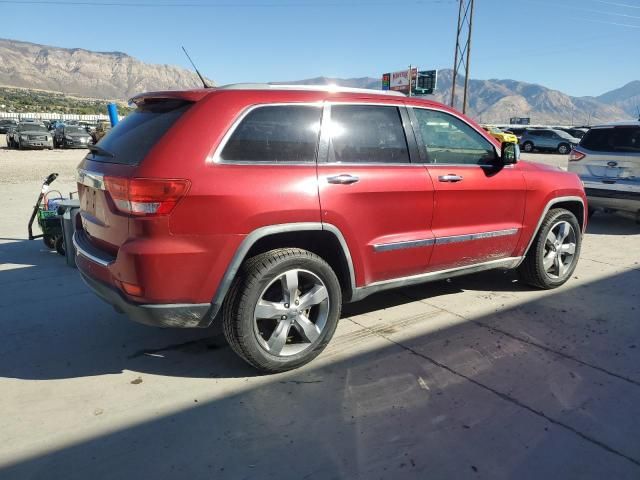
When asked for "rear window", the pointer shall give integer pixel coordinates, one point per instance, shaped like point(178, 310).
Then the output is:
point(131, 139)
point(614, 139)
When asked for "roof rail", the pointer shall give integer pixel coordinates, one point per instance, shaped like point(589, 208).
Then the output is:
point(313, 88)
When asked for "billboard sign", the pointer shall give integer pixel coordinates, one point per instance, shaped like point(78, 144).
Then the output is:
point(427, 82)
point(520, 121)
point(399, 81)
point(386, 81)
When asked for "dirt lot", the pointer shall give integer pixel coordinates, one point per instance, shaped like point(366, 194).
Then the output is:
point(477, 377)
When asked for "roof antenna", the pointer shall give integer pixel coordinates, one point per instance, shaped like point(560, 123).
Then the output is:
point(196, 69)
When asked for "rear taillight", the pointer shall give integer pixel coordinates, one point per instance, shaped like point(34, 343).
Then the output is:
point(576, 156)
point(146, 196)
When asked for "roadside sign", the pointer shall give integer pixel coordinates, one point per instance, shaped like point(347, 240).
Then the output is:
point(427, 82)
point(520, 121)
point(399, 81)
point(386, 81)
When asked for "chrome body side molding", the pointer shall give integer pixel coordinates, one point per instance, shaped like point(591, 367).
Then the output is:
point(387, 247)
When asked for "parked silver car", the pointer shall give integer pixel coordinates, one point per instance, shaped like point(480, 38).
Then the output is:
point(608, 163)
point(547, 139)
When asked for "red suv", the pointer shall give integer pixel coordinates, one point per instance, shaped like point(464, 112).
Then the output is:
point(270, 206)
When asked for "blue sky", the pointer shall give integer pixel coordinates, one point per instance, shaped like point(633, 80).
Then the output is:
point(582, 47)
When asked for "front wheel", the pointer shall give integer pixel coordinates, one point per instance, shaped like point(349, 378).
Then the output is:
point(554, 253)
point(527, 147)
point(564, 149)
point(282, 309)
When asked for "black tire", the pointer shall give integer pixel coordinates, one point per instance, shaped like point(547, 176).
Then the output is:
point(49, 242)
point(527, 147)
point(59, 243)
point(254, 279)
point(532, 270)
point(564, 149)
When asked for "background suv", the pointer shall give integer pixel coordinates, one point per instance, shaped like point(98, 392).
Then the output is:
point(269, 206)
point(548, 139)
point(608, 163)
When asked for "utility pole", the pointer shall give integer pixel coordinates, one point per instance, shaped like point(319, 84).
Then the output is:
point(462, 57)
point(410, 79)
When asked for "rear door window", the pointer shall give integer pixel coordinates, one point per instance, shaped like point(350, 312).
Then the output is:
point(612, 139)
point(367, 134)
point(276, 134)
point(133, 138)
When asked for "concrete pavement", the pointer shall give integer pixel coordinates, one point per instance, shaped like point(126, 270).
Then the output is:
point(477, 377)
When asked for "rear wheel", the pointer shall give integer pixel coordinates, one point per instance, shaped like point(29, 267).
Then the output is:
point(554, 253)
point(527, 147)
point(282, 309)
point(564, 149)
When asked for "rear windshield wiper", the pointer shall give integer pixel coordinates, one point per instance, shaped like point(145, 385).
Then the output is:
point(100, 151)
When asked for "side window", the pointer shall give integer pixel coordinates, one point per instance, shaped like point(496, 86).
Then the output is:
point(450, 140)
point(367, 134)
point(276, 134)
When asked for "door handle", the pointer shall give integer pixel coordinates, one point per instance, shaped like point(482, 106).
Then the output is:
point(343, 179)
point(450, 178)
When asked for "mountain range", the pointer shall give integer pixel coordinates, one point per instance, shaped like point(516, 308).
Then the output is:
point(118, 76)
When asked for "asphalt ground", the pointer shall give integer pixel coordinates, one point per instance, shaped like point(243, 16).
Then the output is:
point(476, 377)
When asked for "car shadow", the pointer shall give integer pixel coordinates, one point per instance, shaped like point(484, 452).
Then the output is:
point(52, 326)
point(612, 224)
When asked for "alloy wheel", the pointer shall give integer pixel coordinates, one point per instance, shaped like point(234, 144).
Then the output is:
point(291, 313)
point(559, 250)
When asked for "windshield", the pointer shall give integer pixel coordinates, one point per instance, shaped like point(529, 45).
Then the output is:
point(32, 127)
point(72, 130)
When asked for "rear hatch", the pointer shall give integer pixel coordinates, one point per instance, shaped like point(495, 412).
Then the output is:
point(104, 176)
point(609, 155)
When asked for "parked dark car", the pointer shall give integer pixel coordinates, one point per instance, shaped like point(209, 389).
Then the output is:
point(289, 200)
point(7, 124)
point(71, 136)
point(30, 136)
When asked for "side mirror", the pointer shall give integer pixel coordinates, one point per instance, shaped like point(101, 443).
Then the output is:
point(510, 153)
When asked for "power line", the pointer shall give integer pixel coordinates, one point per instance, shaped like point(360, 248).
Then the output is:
point(617, 4)
point(80, 3)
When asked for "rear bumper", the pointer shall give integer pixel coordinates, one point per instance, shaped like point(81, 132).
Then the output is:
point(156, 315)
point(168, 315)
point(624, 200)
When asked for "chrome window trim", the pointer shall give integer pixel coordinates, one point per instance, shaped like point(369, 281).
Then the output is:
point(454, 114)
point(90, 179)
point(215, 157)
point(551, 203)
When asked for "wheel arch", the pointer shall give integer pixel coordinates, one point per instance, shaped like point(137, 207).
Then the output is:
point(574, 204)
point(324, 240)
